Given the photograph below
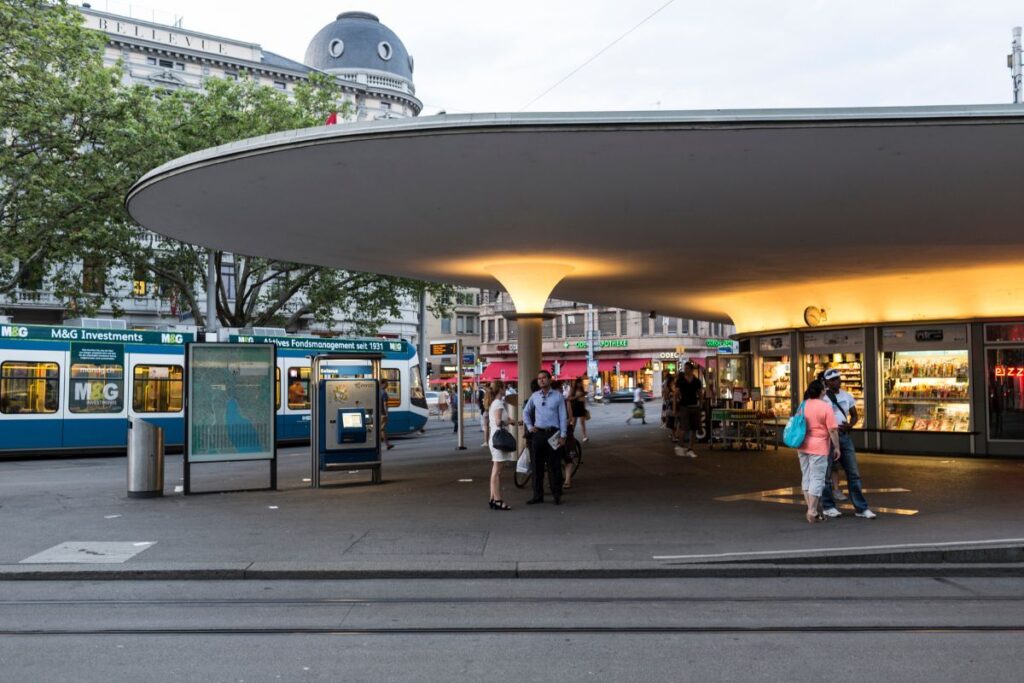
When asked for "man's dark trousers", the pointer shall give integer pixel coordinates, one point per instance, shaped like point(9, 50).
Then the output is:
point(544, 457)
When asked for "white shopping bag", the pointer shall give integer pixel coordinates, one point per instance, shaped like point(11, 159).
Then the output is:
point(523, 466)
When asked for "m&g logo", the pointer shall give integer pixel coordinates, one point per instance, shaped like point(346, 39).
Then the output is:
point(13, 331)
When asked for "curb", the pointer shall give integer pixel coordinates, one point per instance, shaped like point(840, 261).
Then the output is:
point(500, 570)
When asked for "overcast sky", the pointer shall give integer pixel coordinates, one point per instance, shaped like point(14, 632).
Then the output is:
point(480, 56)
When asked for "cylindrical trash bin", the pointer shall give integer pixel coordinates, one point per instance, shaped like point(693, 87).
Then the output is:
point(145, 459)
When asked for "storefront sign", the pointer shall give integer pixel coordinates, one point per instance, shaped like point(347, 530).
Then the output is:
point(834, 340)
point(1009, 371)
point(604, 344)
point(774, 343)
point(507, 348)
point(716, 343)
point(667, 355)
point(326, 344)
point(41, 332)
point(944, 337)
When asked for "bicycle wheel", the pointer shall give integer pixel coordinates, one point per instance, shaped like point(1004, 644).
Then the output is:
point(575, 458)
point(521, 480)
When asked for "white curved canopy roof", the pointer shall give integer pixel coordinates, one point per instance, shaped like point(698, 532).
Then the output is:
point(871, 214)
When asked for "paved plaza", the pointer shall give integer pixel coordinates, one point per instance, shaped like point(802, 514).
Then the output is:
point(633, 505)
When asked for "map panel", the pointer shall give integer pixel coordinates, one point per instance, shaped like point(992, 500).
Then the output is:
point(231, 402)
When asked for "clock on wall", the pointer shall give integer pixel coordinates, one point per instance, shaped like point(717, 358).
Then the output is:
point(814, 316)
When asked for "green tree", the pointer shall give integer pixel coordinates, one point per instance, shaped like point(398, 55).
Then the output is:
point(75, 139)
point(72, 140)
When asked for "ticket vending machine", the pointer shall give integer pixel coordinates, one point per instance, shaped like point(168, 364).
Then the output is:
point(346, 422)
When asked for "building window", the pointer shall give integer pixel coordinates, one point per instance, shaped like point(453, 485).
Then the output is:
point(280, 85)
point(157, 388)
point(384, 50)
point(27, 387)
point(180, 66)
point(574, 325)
point(513, 329)
point(231, 75)
point(446, 325)
point(151, 61)
point(490, 330)
point(466, 324)
point(385, 106)
point(94, 275)
point(645, 325)
point(608, 323)
point(33, 277)
point(227, 279)
point(166, 63)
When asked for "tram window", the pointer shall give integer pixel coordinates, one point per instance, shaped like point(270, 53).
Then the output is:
point(27, 387)
point(96, 388)
point(298, 388)
point(392, 380)
point(157, 388)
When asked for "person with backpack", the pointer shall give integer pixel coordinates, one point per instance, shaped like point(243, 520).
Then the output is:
point(844, 407)
point(821, 438)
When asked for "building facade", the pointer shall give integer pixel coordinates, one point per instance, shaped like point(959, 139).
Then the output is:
point(630, 348)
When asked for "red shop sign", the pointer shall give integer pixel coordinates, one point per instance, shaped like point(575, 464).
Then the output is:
point(1009, 371)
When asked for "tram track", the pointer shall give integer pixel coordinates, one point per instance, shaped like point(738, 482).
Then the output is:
point(514, 630)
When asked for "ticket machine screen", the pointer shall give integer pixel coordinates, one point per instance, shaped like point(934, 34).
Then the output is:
point(352, 420)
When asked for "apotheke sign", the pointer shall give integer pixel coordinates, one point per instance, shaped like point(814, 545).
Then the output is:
point(604, 344)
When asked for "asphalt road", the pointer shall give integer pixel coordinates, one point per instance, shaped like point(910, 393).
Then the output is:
point(566, 630)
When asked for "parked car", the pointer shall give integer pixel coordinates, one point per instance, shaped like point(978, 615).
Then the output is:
point(432, 400)
point(624, 395)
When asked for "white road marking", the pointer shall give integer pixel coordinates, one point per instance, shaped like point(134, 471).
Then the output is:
point(897, 546)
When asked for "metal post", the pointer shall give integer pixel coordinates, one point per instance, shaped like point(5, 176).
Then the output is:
point(461, 400)
point(314, 433)
point(1014, 60)
point(423, 340)
point(212, 324)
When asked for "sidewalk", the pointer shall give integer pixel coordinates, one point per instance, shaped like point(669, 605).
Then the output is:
point(631, 502)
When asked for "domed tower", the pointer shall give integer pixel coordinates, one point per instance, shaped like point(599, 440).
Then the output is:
point(372, 63)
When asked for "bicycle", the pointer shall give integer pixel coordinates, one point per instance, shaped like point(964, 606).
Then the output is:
point(575, 450)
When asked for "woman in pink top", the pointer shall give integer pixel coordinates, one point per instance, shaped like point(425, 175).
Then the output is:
point(822, 439)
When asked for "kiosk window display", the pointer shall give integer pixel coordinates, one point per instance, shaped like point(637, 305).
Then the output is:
point(842, 350)
point(1004, 367)
point(926, 379)
point(774, 374)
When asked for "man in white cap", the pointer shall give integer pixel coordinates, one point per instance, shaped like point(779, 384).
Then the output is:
point(845, 408)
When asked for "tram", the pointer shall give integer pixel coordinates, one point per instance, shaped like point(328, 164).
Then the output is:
point(74, 388)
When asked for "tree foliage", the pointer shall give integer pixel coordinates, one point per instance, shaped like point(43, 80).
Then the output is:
point(76, 138)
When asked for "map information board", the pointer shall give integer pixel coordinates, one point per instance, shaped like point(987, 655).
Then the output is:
point(231, 402)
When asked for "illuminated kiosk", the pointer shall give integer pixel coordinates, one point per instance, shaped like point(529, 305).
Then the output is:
point(893, 222)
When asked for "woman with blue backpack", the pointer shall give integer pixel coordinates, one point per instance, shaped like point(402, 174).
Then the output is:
point(814, 433)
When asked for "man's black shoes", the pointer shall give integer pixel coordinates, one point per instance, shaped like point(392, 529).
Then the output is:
point(558, 500)
point(534, 501)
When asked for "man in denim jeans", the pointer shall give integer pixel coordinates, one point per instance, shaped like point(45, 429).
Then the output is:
point(845, 408)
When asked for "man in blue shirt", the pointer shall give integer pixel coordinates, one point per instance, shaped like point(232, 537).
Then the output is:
point(545, 416)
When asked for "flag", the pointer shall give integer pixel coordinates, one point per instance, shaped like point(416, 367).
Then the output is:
point(332, 119)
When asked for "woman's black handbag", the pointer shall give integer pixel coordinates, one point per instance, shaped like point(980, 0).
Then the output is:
point(503, 440)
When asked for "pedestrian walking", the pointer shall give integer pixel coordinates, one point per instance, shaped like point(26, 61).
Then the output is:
point(384, 418)
point(844, 408)
point(442, 404)
point(578, 409)
point(822, 436)
point(453, 404)
point(547, 422)
point(638, 407)
point(498, 418)
point(688, 395)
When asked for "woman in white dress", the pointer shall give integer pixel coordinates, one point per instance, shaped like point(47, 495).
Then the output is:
point(498, 417)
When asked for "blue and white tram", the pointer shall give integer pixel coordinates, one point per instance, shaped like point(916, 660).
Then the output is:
point(407, 403)
point(72, 389)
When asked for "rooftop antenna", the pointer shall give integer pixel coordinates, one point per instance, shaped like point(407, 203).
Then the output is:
point(1013, 60)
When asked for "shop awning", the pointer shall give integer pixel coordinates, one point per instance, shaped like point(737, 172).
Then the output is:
point(568, 369)
point(625, 364)
point(494, 371)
